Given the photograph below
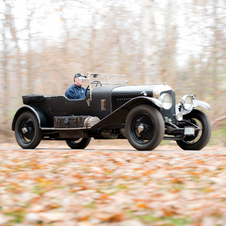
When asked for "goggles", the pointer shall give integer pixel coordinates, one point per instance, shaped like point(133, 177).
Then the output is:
point(82, 79)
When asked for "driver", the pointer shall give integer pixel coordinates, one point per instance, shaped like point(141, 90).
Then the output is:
point(76, 91)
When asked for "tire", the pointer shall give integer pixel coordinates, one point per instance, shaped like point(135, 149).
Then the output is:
point(27, 132)
point(78, 143)
point(202, 137)
point(144, 127)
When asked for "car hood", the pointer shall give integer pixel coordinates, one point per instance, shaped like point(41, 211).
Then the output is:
point(151, 90)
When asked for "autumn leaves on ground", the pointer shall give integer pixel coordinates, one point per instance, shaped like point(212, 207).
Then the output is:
point(111, 188)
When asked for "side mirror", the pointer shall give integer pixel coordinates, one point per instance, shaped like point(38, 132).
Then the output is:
point(95, 75)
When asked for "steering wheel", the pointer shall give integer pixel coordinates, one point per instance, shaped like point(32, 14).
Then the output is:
point(96, 82)
point(87, 89)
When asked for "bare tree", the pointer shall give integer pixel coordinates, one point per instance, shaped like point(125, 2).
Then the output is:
point(14, 34)
point(5, 68)
point(149, 43)
point(30, 71)
point(168, 65)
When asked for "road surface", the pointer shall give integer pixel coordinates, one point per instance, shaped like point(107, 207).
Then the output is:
point(113, 147)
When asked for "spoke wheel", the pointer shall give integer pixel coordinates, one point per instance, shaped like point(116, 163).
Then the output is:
point(27, 131)
point(200, 139)
point(79, 143)
point(144, 127)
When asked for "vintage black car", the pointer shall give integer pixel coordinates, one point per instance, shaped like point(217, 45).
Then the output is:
point(143, 114)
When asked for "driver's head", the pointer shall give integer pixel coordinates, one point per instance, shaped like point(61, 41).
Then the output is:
point(79, 78)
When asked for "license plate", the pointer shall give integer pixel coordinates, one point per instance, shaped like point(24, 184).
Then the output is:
point(189, 131)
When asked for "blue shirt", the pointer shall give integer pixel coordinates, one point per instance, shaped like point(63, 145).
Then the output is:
point(75, 92)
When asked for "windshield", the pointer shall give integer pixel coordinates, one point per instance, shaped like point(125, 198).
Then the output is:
point(101, 79)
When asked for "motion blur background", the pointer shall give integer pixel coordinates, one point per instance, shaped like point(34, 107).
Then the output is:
point(181, 43)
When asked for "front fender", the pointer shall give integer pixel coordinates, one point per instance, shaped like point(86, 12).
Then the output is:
point(199, 103)
point(37, 112)
point(142, 100)
point(119, 115)
point(196, 103)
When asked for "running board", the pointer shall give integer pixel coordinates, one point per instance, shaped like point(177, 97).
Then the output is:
point(53, 128)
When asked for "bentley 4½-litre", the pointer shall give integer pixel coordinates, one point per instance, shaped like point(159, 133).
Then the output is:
point(143, 114)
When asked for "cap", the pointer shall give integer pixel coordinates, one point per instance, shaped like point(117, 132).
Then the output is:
point(79, 75)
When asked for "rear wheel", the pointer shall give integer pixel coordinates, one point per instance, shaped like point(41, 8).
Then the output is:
point(144, 127)
point(200, 139)
point(79, 143)
point(27, 132)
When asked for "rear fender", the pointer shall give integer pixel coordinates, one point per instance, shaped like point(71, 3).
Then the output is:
point(120, 114)
point(37, 112)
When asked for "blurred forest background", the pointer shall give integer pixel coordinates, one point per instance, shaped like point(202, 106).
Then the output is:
point(44, 43)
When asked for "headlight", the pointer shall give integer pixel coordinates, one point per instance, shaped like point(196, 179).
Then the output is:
point(166, 101)
point(187, 102)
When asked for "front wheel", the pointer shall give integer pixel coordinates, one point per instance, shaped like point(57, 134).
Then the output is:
point(27, 131)
point(200, 139)
point(78, 143)
point(144, 127)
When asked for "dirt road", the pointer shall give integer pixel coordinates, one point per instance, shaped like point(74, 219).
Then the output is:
point(105, 146)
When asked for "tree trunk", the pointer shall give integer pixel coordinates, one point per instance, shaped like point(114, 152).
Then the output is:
point(169, 55)
point(6, 83)
point(215, 59)
point(149, 43)
point(13, 31)
point(29, 58)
